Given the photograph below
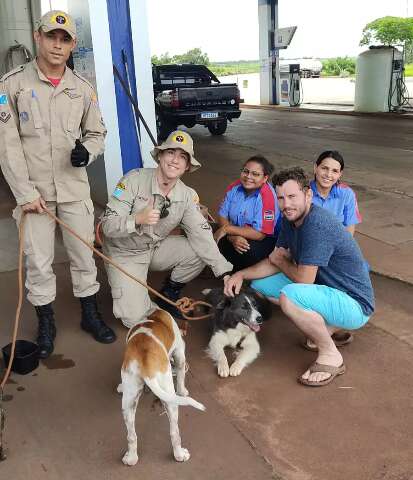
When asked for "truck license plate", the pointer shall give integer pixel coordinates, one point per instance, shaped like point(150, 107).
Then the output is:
point(209, 114)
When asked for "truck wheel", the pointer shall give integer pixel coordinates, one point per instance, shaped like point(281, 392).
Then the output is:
point(218, 128)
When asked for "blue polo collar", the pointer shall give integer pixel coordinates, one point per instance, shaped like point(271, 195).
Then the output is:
point(333, 192)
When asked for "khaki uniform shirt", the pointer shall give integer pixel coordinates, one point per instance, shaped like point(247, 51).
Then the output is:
point(123, 238)
point(39, 125)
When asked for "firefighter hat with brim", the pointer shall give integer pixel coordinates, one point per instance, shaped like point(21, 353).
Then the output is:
point(57, 20)
point(182, 140)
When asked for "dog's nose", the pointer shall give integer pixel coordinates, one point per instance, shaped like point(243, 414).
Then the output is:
point(259, 319)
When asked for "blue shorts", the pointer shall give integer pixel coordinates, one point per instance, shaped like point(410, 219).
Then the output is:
point(336, 307)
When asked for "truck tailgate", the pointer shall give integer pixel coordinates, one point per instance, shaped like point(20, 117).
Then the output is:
point(212, 95)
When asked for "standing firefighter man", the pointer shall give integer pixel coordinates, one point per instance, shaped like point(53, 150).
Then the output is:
point(50, 129)
point(145, 207)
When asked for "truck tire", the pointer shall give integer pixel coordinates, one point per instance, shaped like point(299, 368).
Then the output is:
point(218, 128)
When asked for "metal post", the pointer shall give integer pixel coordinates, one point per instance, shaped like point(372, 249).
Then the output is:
point(275, 55)
point(269, 62)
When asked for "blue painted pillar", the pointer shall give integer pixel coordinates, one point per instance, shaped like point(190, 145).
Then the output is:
point(122, 49)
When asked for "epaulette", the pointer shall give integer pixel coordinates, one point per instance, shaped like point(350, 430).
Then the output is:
point(18, 69)
point(83, 79)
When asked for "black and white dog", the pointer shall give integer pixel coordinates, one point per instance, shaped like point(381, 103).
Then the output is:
point(235, 323)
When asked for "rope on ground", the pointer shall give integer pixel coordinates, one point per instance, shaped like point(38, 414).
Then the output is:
point(14, 338)
point(184, 304)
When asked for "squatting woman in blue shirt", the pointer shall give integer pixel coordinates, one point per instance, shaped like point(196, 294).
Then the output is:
point(338, 198)
point(330, 193)
point(248, 215)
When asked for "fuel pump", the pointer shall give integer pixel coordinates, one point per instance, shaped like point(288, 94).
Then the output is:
point(290, 86)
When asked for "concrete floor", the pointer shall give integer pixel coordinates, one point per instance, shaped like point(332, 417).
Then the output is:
point(64, 420)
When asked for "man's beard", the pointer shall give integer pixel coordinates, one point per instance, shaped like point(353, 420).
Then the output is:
point(299, 218)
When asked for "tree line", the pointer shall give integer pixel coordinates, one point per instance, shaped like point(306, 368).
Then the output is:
point(391, 31)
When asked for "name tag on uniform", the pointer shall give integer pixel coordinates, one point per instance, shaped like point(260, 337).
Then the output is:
point(71, 94)
point(3, 99)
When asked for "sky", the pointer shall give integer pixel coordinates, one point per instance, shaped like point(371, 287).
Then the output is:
point(228, 29)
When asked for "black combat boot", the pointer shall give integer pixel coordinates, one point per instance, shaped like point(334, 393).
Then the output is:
point(47, 330)
point(171, 290)
point(92, 321)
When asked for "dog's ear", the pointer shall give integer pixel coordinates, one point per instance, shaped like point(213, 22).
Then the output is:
point(263, 304)
point(222, 303)
point(216, 297)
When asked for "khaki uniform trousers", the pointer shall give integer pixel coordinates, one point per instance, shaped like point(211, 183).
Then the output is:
point(131, 301)
point(39, 248)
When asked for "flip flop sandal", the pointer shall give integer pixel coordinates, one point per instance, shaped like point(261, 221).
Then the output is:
point(318, 367)
point(340, 339)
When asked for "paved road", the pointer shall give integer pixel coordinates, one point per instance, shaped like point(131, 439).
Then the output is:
point(371, 146)
point(65, 420)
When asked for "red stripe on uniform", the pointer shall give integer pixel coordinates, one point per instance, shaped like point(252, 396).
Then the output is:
point(228, 189)
point(268, 203)
point(232, 185)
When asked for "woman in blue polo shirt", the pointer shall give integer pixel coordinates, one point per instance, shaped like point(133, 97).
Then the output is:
point(338, 198)
point(248, 215)
point(330, 193)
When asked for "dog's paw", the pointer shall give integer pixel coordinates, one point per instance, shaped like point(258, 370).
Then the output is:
point(182, 455)
point(119, 388)
point(223, 369)
point(236, 369)
point(205, 291)
point(130, 459)
point(182, 391)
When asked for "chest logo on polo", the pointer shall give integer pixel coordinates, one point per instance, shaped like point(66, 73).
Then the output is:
point(268, 215)
point(5, 117)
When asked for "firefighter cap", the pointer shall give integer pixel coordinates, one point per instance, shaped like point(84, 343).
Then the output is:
point(178, 139)
point(57, 20)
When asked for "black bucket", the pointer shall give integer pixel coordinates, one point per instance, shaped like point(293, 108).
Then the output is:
point(26, 357)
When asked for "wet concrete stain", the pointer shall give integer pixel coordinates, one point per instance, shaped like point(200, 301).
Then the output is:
point(7, 398)
point(11, 382)
point(21, 389)
point(57, 362)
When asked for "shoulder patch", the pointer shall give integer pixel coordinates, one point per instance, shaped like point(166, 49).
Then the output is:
point(18, 69)
point(3, 99)
point(118, 192)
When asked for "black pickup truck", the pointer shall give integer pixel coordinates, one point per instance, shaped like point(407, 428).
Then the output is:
point(191, 94)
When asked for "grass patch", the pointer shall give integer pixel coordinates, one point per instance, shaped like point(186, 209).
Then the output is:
point(221, 69)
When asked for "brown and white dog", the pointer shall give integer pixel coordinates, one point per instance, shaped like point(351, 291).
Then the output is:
point(149, 346)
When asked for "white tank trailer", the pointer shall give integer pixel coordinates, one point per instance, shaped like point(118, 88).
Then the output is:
point(378, 74)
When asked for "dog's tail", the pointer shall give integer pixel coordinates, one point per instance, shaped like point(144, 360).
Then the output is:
point(168, 397)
